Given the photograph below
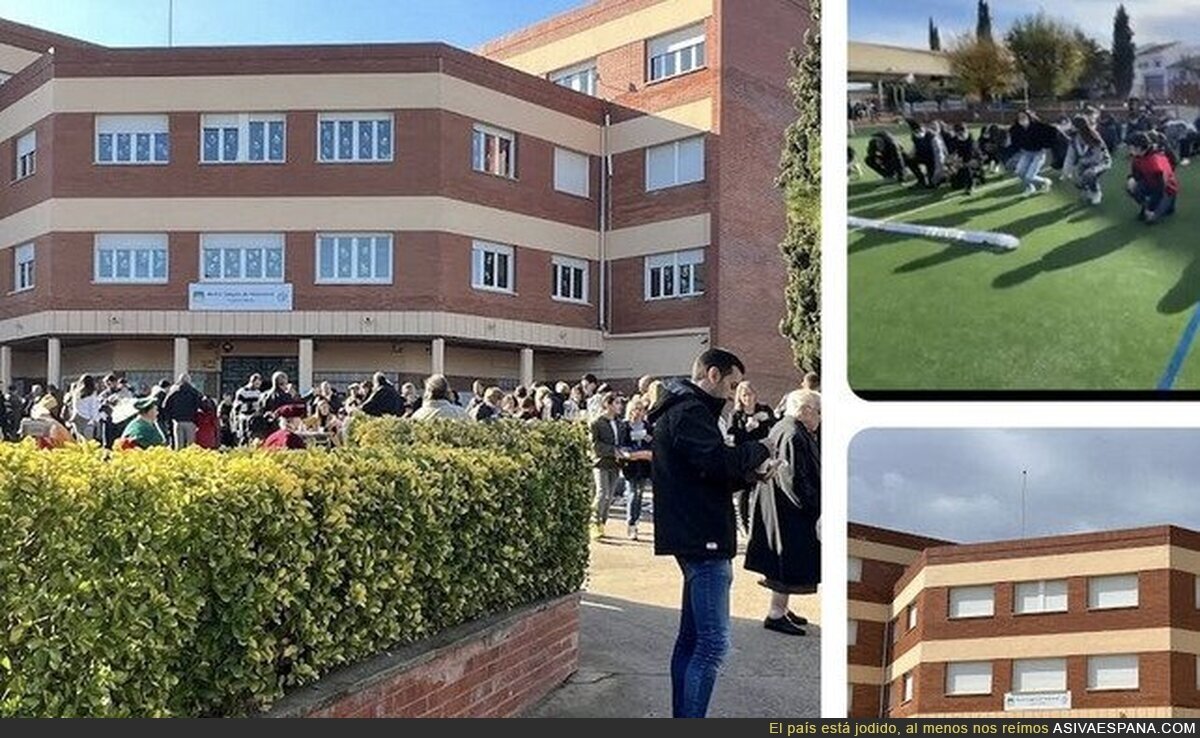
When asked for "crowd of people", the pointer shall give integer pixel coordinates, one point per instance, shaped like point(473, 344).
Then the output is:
point(1080, 147)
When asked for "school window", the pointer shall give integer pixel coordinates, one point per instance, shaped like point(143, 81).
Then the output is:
point(675, 163)
point(132, 139)
point(492, 267)
point(679, 274)
point(852, 632)
point(494, 151)
point(354, 137)
point(675, 53)
point(1112, 672)
point(354, 258)
point(972, 602)
point(248, 257)
point(1039, 675)
point(570, 279)
point(912, 617)
point(1105, 593)
point(242, 137)
point(854, 569)
point(1197, 580)
point(1042, 596)
point(571, 172)
point(908, 687)
point(26, 163)
point(23, 267)
point(581, 78)
point(131, 257)
point(968, 677)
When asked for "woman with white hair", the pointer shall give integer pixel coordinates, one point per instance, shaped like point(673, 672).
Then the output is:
point(784, 511)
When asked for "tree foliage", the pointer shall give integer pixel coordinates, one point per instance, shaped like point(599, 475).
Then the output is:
point(1096, 78)
point(983, 21)
point(1123, 51)
point(800, 178)
point(935, 38)
point(1047, 54)
point(983, 69)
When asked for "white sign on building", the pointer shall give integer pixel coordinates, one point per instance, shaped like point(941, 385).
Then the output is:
point(1037, 701)
point(204, 296)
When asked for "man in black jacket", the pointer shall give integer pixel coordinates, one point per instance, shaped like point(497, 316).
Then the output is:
point(694, 477)
point(180, 408)
point(384, 399)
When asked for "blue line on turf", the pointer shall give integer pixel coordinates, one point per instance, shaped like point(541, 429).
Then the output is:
point(1181, 351)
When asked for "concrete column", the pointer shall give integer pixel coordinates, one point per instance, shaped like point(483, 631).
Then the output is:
point(305, 381)
point(6, 376)
point(180, 364)
point(526, 367)
point(54, 362)
point(437, 352)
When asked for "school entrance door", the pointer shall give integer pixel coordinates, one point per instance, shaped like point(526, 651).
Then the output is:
point(235, 370)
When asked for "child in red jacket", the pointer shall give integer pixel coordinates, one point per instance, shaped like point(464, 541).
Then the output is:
point(1152, 181)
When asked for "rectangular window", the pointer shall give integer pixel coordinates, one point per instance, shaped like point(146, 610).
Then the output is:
point(854, 569)
point(1042, 596)
point(131, 257)
point(492, 267)
point(972, 602)
point(572, 172)
point(1111, 592)
point(570, 279)
point(678, 274)
point(354, 137)
point(241, 257)
point(969, 677)
point(1039, 675)
point(1197, 578)
point(242, 137)
point(132, 139)
point(23, 267)
point(581, 78)
point(1113, 672)
point(675, 53)
point(908, 687)
point(852, 632)
point(26, 163)
point(494, 151)
point(912, 616)
point(675, 163)
point(354, 258)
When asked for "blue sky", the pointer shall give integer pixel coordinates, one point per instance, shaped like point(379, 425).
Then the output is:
point(906, 23)
point(464, 23)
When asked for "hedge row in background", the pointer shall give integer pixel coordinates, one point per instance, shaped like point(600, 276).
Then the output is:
point(196, 583)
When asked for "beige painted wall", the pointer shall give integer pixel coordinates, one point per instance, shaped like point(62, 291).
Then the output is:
point(629, 356)
point(677, 234)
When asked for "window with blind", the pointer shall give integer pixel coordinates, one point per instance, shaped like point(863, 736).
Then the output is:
point(354, 258)
point(854, 567)
point(675, 53)
point(131, 258)
point(972, 602)
point(492, 267)
point(1113, 672)
point(354, 137)
point(26, 163)
point(675, 163)
point(1041, 596)
point(571, 172)
point(23, 268)
point(678, 274)
point(969, 677)
point(245, 257)
point(242, 138)
point(1039, 675)
point(133, 139)
point(570, 279)
point(1106, 593)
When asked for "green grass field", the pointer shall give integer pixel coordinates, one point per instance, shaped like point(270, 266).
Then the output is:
point(1091, 300)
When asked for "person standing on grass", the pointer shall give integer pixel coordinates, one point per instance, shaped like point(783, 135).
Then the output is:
point(694, 476)
point(1087, 159)
point(1032, 139)
point(606, 436)
point(1152, 183)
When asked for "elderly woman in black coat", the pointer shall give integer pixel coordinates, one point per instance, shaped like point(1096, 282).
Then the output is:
point(784, 546)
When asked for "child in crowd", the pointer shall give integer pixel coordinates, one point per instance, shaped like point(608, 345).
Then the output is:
point(1087, 159)
point(928, 158)
point(885, 156)
point(1032, 139)
point(1152, 183)
point(966, 160)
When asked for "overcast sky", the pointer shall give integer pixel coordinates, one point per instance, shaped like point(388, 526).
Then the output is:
point(965, 485)
point(906, 23)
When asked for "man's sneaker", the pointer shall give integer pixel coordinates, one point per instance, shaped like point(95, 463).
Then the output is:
point(633, 536)
point(783, 625)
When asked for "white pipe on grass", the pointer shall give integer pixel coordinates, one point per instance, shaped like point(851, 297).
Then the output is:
point(987, 238)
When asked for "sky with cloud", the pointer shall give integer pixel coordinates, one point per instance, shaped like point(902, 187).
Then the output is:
point(906, 23)
point(965, 485)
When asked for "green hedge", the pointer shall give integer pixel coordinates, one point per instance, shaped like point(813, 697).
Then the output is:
point(195, 583)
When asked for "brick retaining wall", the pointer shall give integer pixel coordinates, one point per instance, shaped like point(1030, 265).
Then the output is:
point(495, 667)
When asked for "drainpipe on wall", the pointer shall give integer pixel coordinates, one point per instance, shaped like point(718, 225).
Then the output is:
point(605, 179)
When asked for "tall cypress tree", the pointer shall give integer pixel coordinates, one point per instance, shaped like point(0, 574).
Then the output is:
point(1123, 51)
point(983, 22)
point(935, 38)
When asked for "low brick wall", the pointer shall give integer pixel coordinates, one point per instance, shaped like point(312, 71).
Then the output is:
point(495, 667)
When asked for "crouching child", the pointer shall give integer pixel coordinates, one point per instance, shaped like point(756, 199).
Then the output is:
point(1152, 182)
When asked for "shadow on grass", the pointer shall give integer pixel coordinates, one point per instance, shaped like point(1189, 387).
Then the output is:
point(1031, 223)
point(1186, 291)
point(952, 252)
point(1073, 253)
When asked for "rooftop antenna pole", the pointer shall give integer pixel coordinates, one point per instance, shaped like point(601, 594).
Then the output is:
point(170, 23)
point(1024, 476)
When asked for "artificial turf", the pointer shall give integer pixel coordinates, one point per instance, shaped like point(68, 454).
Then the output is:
point(1092, 299)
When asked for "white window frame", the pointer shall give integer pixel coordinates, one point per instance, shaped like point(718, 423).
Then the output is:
point(241, 122)
point(581, 270)
point(681, 46)
point(478, 249)
point(132, 242)
point(479, 146)
point(132, 125)
point(912, 616)
point(676, 149)
point(1041, 586)
point(854, 569)
point(674, 260)
point(966, 593)
point(391, 264)
point(583, 77)
point(1061, 662)
point(564, 158)
point(953, 673)
point(1094, 596)
point(26, 151)
point(851, 632)
point(356, 118)
point(245, 242)
point(24, 267)
point(1121, 662)
point(907, 682)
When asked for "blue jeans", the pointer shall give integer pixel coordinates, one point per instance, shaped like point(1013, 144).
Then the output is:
point(635, 490)
point(1154, 200)
point(703, 637)
point(1029, 163)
